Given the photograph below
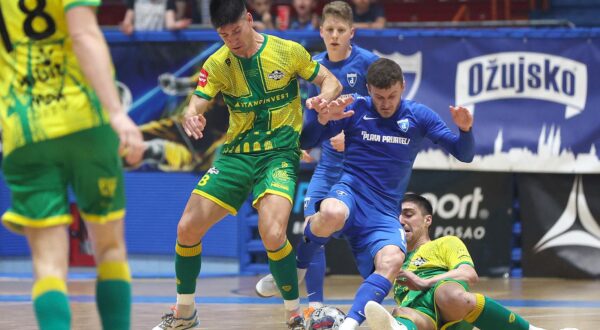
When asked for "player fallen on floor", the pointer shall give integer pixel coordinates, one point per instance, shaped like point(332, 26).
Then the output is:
point(433, 288)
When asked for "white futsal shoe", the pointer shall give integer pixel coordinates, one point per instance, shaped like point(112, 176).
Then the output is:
point(266, 286)
point(379, 318)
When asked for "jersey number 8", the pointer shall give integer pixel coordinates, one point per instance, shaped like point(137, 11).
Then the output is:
point(37, 12)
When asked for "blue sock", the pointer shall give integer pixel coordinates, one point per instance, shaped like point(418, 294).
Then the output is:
point(376, 288)
point(315, 276)
point(308, 247)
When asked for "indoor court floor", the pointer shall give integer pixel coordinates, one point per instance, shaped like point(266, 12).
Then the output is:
point(230, 302)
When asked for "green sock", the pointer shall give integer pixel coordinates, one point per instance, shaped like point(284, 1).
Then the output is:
point(187, 267)
point(410, 325)
point(488, 314)
point(51, 304)
point(282, 264)
point(113, 295)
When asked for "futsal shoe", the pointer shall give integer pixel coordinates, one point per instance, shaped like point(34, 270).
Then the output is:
point(379, 318)
point(266, 286)
point(296, 322)
point(171, 321)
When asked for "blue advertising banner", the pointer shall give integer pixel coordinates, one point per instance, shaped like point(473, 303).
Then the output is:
point(531, 92)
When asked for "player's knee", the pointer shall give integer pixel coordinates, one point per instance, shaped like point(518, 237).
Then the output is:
point(273, 237)
point(188, 233)
point(455, 304)
point(334, 216)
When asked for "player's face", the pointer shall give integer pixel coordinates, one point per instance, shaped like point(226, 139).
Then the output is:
point(238, 36)
point(416, 225)
point(386, 100)
point(336, 33)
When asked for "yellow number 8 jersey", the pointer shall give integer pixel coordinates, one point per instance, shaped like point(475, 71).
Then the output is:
point(43, 93)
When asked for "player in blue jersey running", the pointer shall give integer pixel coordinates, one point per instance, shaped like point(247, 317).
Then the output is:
point(383, 134)
point(349, 63)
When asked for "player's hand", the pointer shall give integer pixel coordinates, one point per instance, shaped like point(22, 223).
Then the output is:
point(335, 109)
point(412, 281)
point(306, 157)
point(193, 124)
point(316, 103)
point(337, 142)
point(462, 117)
point(131, 143)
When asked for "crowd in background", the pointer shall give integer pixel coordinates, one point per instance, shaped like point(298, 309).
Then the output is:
point(157, 15)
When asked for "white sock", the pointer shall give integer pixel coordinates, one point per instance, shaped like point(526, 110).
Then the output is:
point(349, 324)
point(292, 305)
point(185, 305)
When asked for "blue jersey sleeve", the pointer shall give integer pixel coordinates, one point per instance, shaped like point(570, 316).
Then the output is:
point(313, 133)
point(462, 146)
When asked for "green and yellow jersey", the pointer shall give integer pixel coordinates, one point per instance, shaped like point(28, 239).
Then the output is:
point(43, 93)
point(432, 258)
point(261, 93)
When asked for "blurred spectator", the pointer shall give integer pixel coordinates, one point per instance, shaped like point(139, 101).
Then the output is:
point(368, 15)
point(261, 14)
point(154, 15)
point(305, 18)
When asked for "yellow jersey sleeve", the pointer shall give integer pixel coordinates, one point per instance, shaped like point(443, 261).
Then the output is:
point(454, 252)
point(306, 67)
point(210, 82)
point(69, 4)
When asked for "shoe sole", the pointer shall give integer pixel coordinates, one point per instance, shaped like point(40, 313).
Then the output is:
point(261, 295)
point(379, 318)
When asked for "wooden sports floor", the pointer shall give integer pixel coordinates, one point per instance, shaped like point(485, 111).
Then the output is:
point(230, 302)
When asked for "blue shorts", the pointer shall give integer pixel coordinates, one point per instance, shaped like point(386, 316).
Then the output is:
point(320, 183)
point(368, 228)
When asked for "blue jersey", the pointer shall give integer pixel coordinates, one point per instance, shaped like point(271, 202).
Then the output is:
point(352, 74)
point(380, 152)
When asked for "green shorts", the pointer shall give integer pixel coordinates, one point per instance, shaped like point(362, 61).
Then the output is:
point(424, 302)
point(232, 176)
point(39, 174)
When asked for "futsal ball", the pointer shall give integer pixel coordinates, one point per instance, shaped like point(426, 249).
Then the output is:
point(325, 318)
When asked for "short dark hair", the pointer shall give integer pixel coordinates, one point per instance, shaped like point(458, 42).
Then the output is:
point(420, 201)
point(223, 12)
point(384, 73)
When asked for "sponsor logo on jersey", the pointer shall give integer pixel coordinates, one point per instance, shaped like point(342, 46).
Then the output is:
point(365, 117)
point(529, 75)
point(203, 78)
point(213, 170)
point(276, 75)
point(403, 124)
point(351, 78)
point(562, 232)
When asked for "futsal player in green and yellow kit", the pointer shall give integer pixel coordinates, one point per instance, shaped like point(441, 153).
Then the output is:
point(432, 290)
point(258, 77)
point(59, 112)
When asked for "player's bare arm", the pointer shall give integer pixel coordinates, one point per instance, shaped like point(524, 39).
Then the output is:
point(462, 117)
point(330, 88)
point(463, 272)
point(92, 53)
point(193, 120)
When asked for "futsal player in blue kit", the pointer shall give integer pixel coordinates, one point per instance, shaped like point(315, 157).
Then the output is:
point(349, 63)
point(383, 134)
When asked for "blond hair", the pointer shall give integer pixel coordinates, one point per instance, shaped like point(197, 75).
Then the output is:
point(338, 9)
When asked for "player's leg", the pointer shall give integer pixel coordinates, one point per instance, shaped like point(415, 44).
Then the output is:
point(95, 173)
point(324, 177)
point(39, 209)
point(403, 318)
point(50, 254)
point(455, 303)
point(388, 262)
point(276, 175)
point(379, 247)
